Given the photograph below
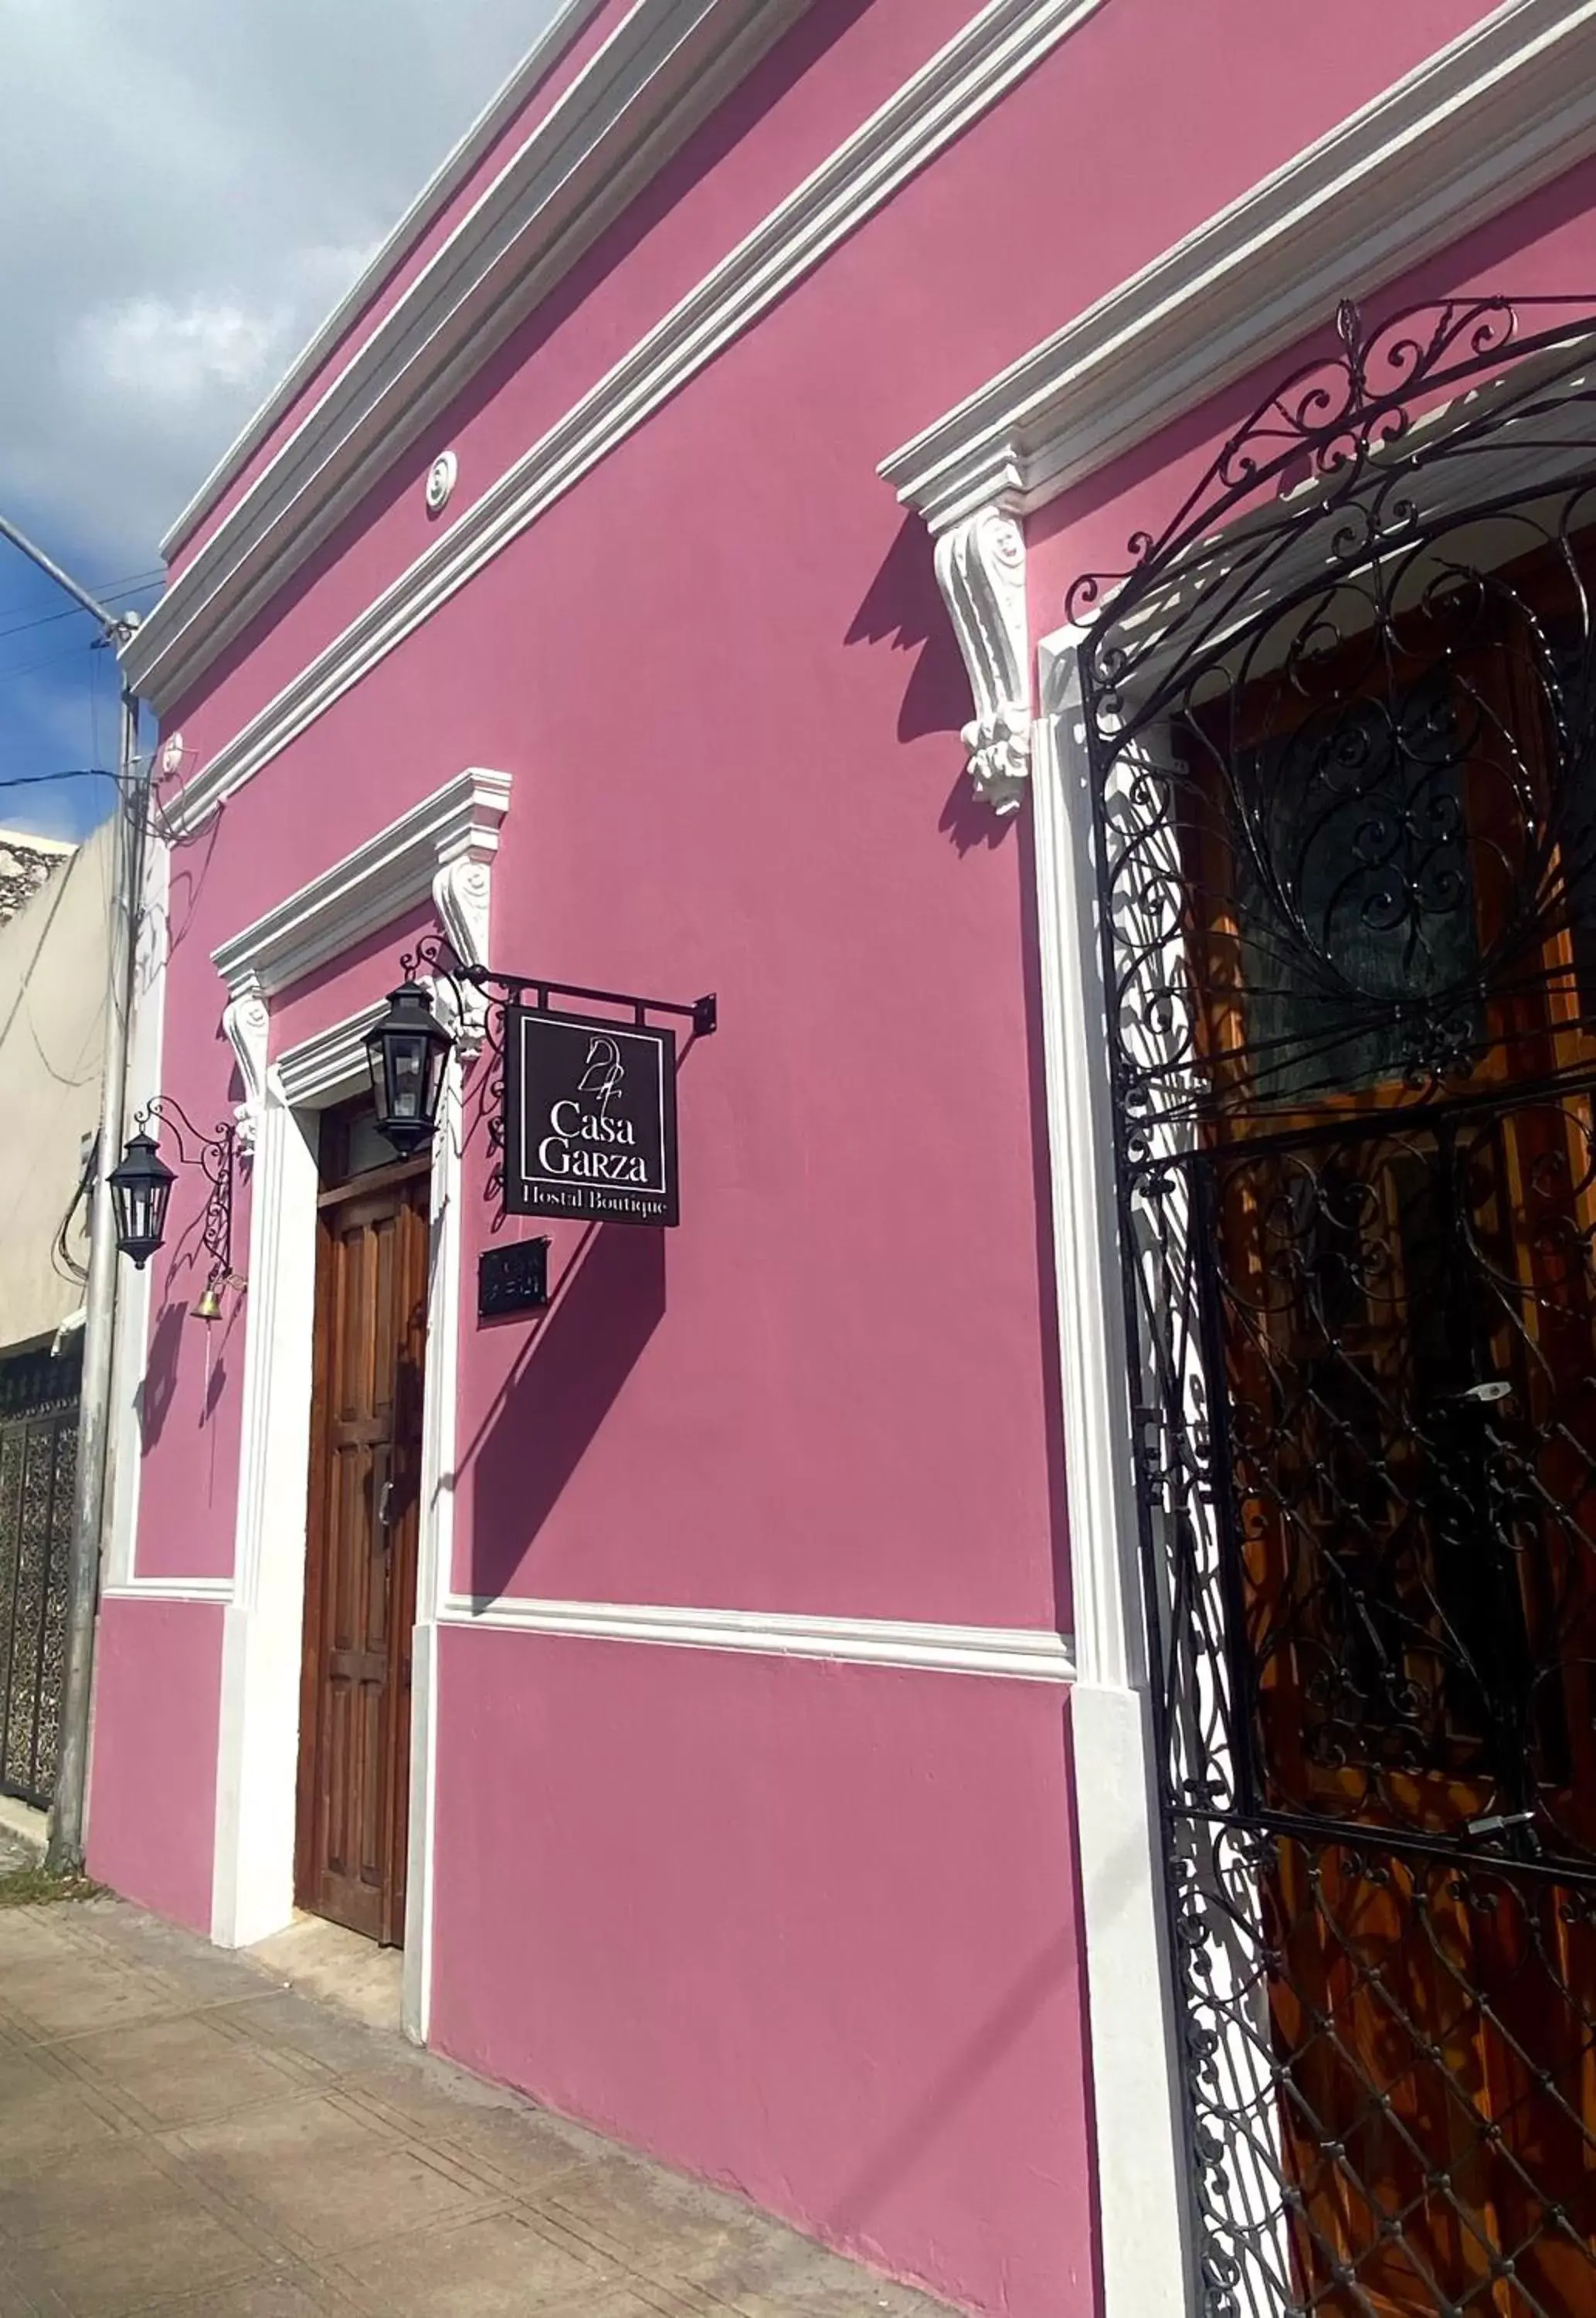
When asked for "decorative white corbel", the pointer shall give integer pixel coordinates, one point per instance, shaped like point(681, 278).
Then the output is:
point(980, 568)
point(460, 896)
point(248, 1025)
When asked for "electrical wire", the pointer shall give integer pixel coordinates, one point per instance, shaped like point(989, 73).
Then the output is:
point(134, 586)
point(71, 773)
point(66, 1263)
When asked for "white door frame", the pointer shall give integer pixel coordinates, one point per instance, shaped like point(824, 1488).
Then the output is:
point(263, 1636)
point(442, 847)
point(1132, 2017)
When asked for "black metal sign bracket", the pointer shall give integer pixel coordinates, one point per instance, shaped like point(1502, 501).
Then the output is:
point(703, 1012)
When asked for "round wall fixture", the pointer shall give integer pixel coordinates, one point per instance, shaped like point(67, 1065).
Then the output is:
point(440, 481)
point(172, 754)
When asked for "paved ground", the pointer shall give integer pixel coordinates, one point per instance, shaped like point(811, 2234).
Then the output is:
point(179, 2134)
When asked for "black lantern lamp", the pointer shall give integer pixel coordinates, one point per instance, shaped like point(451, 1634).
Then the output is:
point(407, 1050)
point(140, 1187)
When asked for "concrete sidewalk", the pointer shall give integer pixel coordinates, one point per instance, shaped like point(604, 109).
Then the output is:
point(177, 2133)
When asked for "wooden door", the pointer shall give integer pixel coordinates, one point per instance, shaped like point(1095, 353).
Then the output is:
point(360, 1594)
point(1405, 1316)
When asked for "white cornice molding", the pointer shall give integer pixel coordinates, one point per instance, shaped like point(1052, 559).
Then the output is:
point(439, 189)
point(1504, 108)
point(326, 1068)
point(1004, 42)
point(1022, 1654)
point(660, 73)
point(458, 824)
point(980, 568)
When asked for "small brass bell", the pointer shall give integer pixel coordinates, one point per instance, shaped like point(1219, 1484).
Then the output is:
point(209, 1307)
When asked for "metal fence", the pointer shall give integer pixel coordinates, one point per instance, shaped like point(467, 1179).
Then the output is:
point(38, 1466)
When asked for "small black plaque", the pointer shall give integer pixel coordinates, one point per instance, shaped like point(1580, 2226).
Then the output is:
point(512, 1279)
point(590, 1119)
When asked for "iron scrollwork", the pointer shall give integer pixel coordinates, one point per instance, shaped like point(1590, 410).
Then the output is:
point(1340, 712)
point(216, 1156)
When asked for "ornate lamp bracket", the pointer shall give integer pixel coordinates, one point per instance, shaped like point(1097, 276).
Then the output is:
point(216, 1156)
point(980, 568)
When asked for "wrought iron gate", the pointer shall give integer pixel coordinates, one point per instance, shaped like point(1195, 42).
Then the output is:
point(1342, 717)
point(38, 1465)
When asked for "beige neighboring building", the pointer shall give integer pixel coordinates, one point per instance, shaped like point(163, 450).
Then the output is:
point(52, 1023)
point(53, 963)
point(26, 863)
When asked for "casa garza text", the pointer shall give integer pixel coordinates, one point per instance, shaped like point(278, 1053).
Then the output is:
point(582, 1143)
point(589, 1119)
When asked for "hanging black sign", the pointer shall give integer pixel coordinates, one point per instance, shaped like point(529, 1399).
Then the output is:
point(590, 1119)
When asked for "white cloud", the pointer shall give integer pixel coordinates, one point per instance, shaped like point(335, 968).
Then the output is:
point(187, 189)
point(182, 354)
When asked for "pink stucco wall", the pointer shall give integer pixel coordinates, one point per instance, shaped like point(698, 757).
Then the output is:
point(152, 1793)
point(808, 1929)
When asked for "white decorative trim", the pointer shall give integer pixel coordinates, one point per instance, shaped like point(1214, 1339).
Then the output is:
point(212, 1590)
point(434, 1551)
point(1131, 2014)
point(462, 897)
point(441, 479)
point(370, 887)
point(1508, 106)
point(330, 1066)
point(1023, 1654)
point(257, 1744)
point(1003, 42)
point(247, 1026)
point(980, 570)
point(441, 187)
point(661, 72)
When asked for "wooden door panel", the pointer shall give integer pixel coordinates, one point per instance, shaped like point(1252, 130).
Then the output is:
point(359, 1581)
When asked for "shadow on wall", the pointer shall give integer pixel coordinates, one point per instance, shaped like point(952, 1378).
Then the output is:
point(159, 1381)
point(903, 608)
point(604, 1309)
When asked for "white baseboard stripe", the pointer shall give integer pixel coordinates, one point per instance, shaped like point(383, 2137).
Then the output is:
point(1022, 1654)
point(170, 1589)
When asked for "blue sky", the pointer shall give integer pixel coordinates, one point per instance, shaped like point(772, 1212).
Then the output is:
point(57, 693)
point(187, 191)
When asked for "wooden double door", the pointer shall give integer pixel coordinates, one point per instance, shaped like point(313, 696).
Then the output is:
point(360, 1593)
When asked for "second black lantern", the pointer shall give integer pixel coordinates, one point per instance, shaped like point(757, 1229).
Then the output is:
point(407, 1048)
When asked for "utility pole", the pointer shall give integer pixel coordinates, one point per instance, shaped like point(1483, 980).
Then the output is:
point(65, 1853)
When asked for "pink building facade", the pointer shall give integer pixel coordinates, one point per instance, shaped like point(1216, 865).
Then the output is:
point(657, 578)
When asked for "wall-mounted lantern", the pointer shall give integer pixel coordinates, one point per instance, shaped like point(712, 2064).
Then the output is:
point(140, 1188)
point(141, 1191)
point(407, 1050)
